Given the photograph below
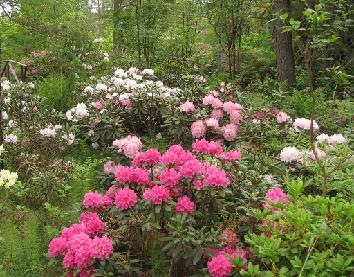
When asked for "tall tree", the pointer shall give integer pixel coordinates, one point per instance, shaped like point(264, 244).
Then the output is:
point(285, 54)
point(117, 5)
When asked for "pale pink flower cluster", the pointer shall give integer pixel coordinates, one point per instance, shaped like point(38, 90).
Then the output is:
point(212, 122)
point(187, 107)
point(11, 138)
point(229, 131)
point(50, 131)
point(198, 129)
point(336, 138)
point(305, 124)
point(291, 154)
point(201, 80)
point(129, 145)
point(283, 117)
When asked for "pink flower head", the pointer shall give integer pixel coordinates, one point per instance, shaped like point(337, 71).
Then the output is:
point(217, 114)
point(184, 205)
point(68, 232)
point(126, 174)
point(96, 200)
point(191, 168)
point(229, 107)
point(229, 237)
point(235, 116)
point(109, 96)
point(283, 117)
point(212, 122)
point(149, 157)
point(57, 247)
point(229, 132)
point(176, 156)
point(93, 223)
point(111, 191)
point(169, 177)
point(215, 177)
point(34, 71)
point(99, 105)
point(125, 199)
point(69, 260)
point(101, 248)
point(198, 129)
point(187, 107)
point(276, 195)
point(220, 266)
point(232, 155)
point(204, 147)
point(157, 195)
point(197, 184)
point(129, 145)
point(213, 101)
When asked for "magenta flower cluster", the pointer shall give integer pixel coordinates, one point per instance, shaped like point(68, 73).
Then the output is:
point(82, 243)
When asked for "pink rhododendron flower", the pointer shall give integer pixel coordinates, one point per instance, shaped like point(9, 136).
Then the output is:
point(99, 105)
point(101, 248)
point(93, 223)
point(197, 184)
point(187, 107)
point(129, 145)
point(125, 199)
point(322, 138)
point(191, 168)
point(235, 117)
point(68, 232)
point(283, 117)
point(204, 147)
point(109, 96)
point(217, 114)
point(215, 177)
point(132, 175)
point(201, 80)
point(157, 195)
point(184, 205)
point(57, 247)
point(212, 122)
point(213, 101)
point(149, 157)
point(169, 177)
point(229, 132)
point(276, 195)
point(96, 200)
point(232, 155)
point(176, 156)
point(230, 107)
point(198, 129)
point(219, 266)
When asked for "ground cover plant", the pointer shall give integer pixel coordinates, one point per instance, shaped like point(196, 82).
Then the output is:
point(176, 138)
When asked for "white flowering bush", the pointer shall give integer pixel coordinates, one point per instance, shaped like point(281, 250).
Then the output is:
point(129, 101)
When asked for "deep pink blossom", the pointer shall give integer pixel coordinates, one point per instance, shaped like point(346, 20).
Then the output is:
point(276, 195)
point(96, 200)
point(125, 198)
point(149, 157)
point(169, 177)
point(184, 205)
point(93, 223)
point(191, 168)
point(157, 195)
point(220, 266)
point(57, 246)
point(215, 177)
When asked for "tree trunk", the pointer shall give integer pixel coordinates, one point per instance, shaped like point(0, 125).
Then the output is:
point(285, 54)
point(117, 47)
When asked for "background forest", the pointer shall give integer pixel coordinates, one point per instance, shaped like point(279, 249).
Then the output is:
point(176, 138)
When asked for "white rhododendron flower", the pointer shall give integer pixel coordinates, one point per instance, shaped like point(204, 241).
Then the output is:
point(290, 154)
point(336, 138)
point(7, 178)
point(304, 123)
point(11, 138)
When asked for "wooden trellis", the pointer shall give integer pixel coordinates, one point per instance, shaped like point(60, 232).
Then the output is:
point(9, 72)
